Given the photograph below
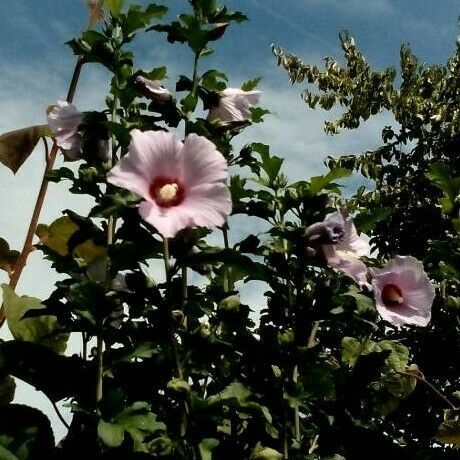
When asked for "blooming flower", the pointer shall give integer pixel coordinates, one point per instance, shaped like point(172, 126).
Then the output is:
point(344, 255)
point(403, 292)
point(183, 184)
point(63, 119)
point(233, 105)
point(152, 89)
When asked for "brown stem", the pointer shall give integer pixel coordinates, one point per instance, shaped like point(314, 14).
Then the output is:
point(50, 159)
point(421, 378)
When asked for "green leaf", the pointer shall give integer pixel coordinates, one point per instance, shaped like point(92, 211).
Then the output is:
point(366, 220)
point(16, 146)
point(115, 7)
point(25, 434)
point(251, 84)
point(158, 73)
point(363, 303)
point(441, 175)
point(325, 182)
point(351, 349)
point(206, 447)
point(111, 434)
point(137, 421)
point(449, 432)
point(56, 375)
point(58, 235)
point(8, 257)
point(240, 263)
point(40, 329)
point(265, 453)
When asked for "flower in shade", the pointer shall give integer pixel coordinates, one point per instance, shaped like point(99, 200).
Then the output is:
point(403, 292)
point(182, 183)
point(152, 89)
point(63, 119)
point(233, 105)
point(344, 255)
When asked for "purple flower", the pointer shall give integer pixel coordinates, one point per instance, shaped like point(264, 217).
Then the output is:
point(182, 183)
point(403, 292)
point(344, 255)
point(152, 89)
point(63, 119)
point(233, 105)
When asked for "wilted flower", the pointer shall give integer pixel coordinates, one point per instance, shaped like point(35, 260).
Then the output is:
point(152, 89)
point(63, 119)
point(403, 292)
point(183, 184)
point(233, 105)
point(344, 255)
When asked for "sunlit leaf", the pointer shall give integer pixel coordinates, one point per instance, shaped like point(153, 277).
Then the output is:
point(16, 146)
point(41, 329)
point(449, 432)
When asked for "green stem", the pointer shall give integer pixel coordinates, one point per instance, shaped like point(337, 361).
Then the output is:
point(108, 278)
point(229, 285)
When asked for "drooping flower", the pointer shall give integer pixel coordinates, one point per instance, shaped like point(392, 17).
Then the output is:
point(403, 292)
point(63, 119)
point(182, 183)
point(152, 89)
point(345, 254)
point(233, 105)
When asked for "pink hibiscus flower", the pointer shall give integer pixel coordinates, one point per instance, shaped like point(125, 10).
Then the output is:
point(183, 184)
point(233, 105)
point(403, 292)
point(152, 89)
point(345, 254)
point(63, 119)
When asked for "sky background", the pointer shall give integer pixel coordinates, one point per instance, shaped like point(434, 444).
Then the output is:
point(36, 67)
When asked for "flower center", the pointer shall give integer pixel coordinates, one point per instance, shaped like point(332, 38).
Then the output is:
point(392, 296)
point(167, 191)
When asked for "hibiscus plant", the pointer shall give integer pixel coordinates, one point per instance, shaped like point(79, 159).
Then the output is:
point(354, 334)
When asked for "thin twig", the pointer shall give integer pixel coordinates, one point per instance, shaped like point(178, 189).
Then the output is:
point(421, 378)
point(58, 413)
point(51, 158)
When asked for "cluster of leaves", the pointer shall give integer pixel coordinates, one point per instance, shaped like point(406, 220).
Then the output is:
point(414, 206)
point(186, 371)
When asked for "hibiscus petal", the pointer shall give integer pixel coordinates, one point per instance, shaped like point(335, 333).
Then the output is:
point(151, 154)
point(208, 204)
point(168, 221)
point(203, 163)
point(349, 265)
point(408, 275)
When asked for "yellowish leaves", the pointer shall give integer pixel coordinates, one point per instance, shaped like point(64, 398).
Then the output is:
point(96, 12)
point(57, 236)
point(449, 432)
point(39, 329)
point(16, 146)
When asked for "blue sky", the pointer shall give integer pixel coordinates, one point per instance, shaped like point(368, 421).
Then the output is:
point(36, 67)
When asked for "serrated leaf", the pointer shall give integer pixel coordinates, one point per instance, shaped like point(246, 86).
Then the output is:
point(363, 303)
point(351, 349)
point(111, 434)
point(449, 432)
point(8, 257)
point(325, 182)
point(41, 329)
point(251, 84)
point(16, 146)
